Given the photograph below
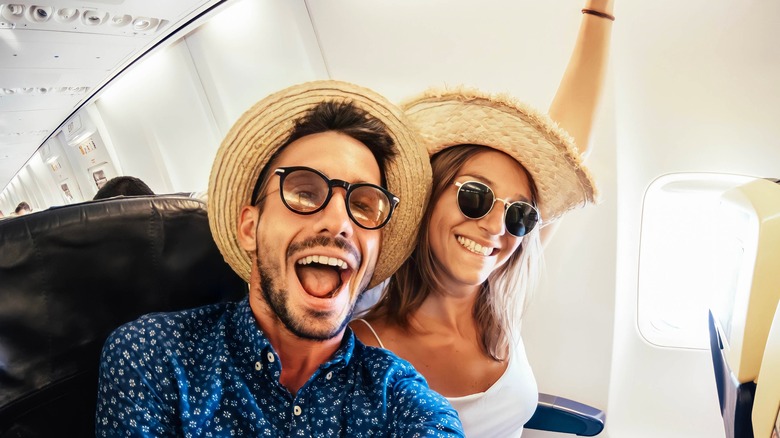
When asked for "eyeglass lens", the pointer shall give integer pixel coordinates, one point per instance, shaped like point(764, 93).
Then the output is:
point(306, 191)
point(476, 199)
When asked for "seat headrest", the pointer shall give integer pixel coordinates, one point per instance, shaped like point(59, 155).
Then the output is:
point(766, 407)
point(70, 275)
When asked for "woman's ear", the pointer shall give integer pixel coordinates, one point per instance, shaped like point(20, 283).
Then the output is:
point(247, 227)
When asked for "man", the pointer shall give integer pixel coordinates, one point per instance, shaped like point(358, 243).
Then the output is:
point(301, 197)
point(123, 186)
point(22, 209)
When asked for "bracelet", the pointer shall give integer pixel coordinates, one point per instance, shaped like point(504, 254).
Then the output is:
point(599, 14)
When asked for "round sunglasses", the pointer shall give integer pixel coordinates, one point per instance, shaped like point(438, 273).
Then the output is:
point(306, 191)
point(476, 200)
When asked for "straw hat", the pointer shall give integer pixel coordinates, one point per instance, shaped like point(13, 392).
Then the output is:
point(451, 117)
point(262, 129)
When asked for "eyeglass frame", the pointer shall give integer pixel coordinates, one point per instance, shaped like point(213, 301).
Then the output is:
point(283, 172)
point(507, 204)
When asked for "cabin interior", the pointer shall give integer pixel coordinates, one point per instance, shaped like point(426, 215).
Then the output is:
point(689, 112)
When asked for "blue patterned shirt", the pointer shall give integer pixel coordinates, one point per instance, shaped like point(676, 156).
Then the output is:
point(211, 372)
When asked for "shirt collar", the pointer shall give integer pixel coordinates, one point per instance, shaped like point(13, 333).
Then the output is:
point(255, 340)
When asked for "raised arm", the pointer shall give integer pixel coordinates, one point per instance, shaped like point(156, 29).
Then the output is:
point(575, 102)
point(574, 105)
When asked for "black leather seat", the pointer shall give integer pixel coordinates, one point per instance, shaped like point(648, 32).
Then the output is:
point(70, 275)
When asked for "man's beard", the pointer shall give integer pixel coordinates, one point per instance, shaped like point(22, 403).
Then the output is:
point(300, 326)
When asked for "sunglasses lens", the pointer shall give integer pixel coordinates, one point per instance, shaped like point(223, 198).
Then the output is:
point(474, 199)
point(369, 206)
point(521, 218)
point(304, 191)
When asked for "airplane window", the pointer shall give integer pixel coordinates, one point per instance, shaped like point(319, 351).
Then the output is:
point(684, 266)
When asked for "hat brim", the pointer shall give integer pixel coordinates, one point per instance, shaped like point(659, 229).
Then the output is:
point(265, 127)
point(451, 117)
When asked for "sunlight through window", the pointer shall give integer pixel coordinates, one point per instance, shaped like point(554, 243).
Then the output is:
point(683, 259)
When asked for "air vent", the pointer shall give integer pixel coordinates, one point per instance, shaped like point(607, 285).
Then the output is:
point(91, 20)
point(39, 14)
point(37, 91)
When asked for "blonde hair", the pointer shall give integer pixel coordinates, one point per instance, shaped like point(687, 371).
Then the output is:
point(502, 297)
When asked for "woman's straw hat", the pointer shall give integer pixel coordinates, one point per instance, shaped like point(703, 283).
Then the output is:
point(265, 127)
point(451, 117)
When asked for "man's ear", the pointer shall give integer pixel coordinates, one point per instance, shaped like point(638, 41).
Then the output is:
point(247, 227)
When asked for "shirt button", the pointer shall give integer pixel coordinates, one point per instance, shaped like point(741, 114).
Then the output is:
point(329, 375)
point(270, 357)
point(258, 366)
point(297, 410)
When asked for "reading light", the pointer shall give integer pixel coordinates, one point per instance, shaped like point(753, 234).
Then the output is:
point(39, 14)
point(142, 23)
point(66, 15)
point(120, 20)
point(93, 18)
point(16, 10)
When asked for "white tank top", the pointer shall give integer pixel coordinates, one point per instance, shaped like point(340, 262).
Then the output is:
point(503, 409)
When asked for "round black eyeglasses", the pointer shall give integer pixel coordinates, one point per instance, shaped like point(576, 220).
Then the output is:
point(306, 191)
point(476, 200)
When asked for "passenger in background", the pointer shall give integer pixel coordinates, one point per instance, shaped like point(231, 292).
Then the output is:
point(22, 209)
point(299, 195)
point(123, 186)
point(503, 174)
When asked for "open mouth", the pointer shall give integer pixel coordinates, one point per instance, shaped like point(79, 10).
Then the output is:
point(322, 276)
point(475, 247)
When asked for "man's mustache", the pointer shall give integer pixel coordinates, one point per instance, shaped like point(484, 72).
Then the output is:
point(324, 241)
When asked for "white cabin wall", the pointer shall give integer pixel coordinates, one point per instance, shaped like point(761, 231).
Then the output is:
point(251, 50)
point(698, 92)
point(27, 178)
point(568, 326)
point(157, 122)
point(53, 154)
point(401, 47)
point(84, 160)
point(42, 181)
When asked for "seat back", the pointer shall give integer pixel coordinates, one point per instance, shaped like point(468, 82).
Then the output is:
point(766, 407)
point(70, 275)
point(740, 320)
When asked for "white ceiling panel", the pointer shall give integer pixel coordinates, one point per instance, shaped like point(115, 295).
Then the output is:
point(52, 53)
point(60, 103)
point(20, 78)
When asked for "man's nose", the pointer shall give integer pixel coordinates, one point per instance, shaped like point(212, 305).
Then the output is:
point(334, 218)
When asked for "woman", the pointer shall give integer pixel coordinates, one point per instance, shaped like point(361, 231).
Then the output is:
point(501, 173)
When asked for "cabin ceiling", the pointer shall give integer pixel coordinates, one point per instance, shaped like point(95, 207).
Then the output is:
point(54, 54)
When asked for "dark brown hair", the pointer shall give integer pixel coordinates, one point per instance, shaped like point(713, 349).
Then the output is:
point(123, 186)
point(342, 117)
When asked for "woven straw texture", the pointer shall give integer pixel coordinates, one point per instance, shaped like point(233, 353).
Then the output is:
point(450, 117)
point(262, 129)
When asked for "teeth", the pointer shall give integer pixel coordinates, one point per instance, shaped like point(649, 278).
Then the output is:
point(323, 260)
point(474, 246)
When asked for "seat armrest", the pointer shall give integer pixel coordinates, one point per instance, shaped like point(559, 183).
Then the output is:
point(558, 414)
